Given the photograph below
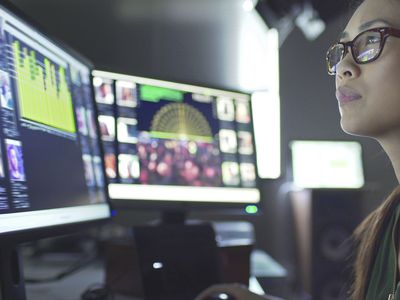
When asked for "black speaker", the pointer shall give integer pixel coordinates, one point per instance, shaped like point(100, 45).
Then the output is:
point(324, 222)
point(177, 261)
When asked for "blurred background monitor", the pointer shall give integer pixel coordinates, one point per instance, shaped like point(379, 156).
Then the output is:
point(327, 164)
point(175, 145)
point(51, 170)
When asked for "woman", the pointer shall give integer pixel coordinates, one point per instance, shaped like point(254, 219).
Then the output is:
point(366, 63)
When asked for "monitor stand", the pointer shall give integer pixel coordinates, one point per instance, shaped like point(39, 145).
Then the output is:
point(12, 283)
point(173, 217)
point(177, 258)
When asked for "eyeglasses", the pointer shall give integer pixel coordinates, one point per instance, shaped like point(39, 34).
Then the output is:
point(365, 47)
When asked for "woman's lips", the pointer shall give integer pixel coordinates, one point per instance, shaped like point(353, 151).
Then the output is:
point(345, 95)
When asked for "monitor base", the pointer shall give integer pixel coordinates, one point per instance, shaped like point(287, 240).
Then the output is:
point(173, 217)
point(12, 282)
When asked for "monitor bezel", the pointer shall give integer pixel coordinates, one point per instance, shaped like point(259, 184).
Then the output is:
point(31, 234)
point(226, 208)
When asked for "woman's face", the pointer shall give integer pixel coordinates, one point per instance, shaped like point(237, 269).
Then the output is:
point(375, 108)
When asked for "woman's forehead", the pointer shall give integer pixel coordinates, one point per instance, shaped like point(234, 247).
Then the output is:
point(372, 11)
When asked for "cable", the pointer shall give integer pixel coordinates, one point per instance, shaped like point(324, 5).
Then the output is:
point(97, 292)
point(84, 261)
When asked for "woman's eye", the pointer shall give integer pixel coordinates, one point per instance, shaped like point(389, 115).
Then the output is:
point(372, 40)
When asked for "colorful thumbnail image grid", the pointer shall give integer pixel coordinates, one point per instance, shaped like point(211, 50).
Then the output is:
point(44, 93)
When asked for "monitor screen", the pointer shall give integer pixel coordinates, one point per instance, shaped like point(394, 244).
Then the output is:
point(167, 141)
point(51, 168)
point(327, 164)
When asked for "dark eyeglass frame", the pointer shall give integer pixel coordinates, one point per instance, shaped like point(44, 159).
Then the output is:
point(385, 32)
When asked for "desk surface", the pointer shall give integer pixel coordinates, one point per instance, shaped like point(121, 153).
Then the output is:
point(72, 287)
point(68, 288)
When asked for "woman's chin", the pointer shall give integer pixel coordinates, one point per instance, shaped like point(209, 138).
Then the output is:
point(353, 129)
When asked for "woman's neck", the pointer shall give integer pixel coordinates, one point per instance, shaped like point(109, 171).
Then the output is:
point(391, 145)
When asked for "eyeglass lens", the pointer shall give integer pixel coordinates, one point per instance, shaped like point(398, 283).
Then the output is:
point(367, 46)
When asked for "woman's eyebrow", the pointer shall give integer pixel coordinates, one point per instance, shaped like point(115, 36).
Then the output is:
point(368, 24)
point(365, 26)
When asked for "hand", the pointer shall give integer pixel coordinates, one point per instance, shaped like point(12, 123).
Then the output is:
point(239, 291)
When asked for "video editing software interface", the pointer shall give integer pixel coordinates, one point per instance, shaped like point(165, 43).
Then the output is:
point(175, 142)
point(50, 162)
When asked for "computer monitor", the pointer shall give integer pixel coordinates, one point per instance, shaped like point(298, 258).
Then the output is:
point(51, 167)
point(327, 164)
point(174, 146)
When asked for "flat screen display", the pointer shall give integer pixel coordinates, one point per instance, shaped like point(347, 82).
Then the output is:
point(51, 170)
point(167, 141)
point(327, 164)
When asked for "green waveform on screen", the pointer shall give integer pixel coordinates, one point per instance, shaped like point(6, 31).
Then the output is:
point(42, 97)
point(155, 94)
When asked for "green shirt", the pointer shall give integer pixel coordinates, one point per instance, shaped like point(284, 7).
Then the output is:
point(383, 281)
